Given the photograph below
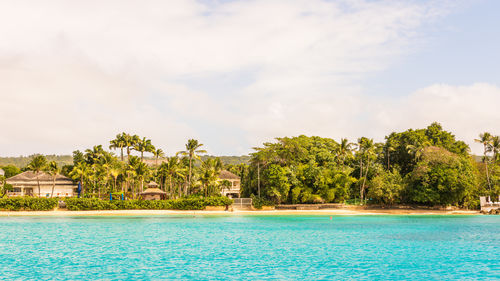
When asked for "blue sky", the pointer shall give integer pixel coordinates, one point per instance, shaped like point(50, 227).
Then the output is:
point(234, 74)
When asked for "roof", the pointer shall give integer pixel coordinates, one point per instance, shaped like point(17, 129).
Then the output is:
point(152, 184)
point(30, 176)
point(153, 191)
point(226, 175)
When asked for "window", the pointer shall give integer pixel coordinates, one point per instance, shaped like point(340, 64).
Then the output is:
point(16, 190)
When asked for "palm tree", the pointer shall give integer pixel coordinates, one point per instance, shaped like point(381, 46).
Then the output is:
point(495, 146)
point(129, 142)
point(158, 153)
point(210, 170)
point(54, 171)
point(485, 140)
point(114, 172)
point(37, 165)
point(367, 151)
point(142, 172)
point(142, 146)
point(172, 169)
point(80, 171)
point(344, 150)
point(192, 152)
point(389, 147)
point(118, 143)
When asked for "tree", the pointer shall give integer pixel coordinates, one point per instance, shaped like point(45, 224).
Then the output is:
point(192, 152)
point(210, 170)
point(440, 178)
point(54, 171)
point(158, 153)
point(143, 145)
point(118, 143)
point(485, 140)
point(172, 170)
point(79, 172)
point(345, 150)
point(37, 165)
point(129, 142)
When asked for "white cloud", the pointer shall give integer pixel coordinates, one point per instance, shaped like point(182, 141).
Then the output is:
point(74, 74)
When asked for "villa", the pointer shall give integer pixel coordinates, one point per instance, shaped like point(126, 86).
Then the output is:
point(234, 190)
point(26, 184)
point(487, 204)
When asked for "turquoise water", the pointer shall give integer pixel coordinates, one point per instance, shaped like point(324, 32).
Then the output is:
point(251, 248)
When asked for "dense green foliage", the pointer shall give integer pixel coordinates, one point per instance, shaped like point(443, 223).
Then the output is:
point(27, 204)
point(424, 167)
point(191, 203)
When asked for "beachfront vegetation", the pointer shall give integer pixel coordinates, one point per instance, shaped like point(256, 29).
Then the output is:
point(27, 204)
point(190, 203)
point(422, 167)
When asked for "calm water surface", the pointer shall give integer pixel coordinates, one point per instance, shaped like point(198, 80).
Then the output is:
point(251, 248)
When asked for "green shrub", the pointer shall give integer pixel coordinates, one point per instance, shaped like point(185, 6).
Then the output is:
point(28, 204)
point(192, 203)
point(259, 202)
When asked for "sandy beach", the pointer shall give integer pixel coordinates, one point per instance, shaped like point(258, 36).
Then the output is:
point(328, 212)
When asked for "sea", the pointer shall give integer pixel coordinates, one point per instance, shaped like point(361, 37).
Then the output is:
point(250, 247)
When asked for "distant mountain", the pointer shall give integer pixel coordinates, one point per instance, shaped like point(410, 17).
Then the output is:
point(22, 161)
point(62, 160)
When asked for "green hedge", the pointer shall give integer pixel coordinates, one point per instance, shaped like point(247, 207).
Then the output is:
point(28, 204)
point(193, 203)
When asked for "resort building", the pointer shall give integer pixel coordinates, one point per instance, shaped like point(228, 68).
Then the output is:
point(487, 204)
point(153, 192)
point(26, 184)
point(232, 190)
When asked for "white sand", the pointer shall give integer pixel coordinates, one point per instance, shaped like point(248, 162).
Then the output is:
point(329, 212)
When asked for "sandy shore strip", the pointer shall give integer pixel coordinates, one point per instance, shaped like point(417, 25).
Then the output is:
point(327, 212)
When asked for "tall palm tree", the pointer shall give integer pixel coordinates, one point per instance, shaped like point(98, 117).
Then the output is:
point(172, 170)
point(80, 171)
point(210, 170)
point(37, 165)
point(143, 145)
point(367, 152)
point(54, 171)
point(495, 146)
point(118, 143)
point(158, 153)
point(192, 152)
point(344, 150)
point(114, 172)
point(129, 142)
point(485, 140)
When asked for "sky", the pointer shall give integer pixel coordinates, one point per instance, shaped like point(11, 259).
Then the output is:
point(235, 74)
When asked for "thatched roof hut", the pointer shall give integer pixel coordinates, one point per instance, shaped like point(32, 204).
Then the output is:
point(153, 192)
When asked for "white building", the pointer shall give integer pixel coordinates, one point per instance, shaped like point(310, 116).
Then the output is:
point(2, 172)
point(232, 191)
point(26, 184)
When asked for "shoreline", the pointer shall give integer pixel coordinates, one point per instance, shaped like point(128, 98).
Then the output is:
point(325, 212)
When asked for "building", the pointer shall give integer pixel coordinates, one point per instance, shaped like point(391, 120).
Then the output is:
point(487, 204)
point(26, 184)
point(153, 192)
point(233, 189)
point(2, 172)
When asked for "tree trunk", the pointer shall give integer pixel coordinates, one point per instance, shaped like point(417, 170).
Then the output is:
point(258, 179)
point(53, 186)
point(39, 192)
point(121, 153)
point(170, 184)
point(487, 172)
point(189, 179)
